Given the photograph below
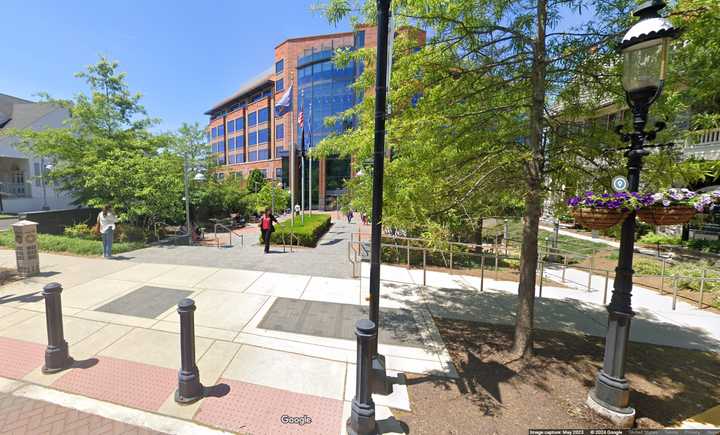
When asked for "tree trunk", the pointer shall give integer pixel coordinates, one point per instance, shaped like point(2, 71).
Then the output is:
point(523, 340)
point(477, 236)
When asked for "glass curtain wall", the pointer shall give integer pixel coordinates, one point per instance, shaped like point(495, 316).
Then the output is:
point(325, 90)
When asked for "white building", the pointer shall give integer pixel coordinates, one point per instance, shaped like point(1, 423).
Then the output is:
point(22, 186)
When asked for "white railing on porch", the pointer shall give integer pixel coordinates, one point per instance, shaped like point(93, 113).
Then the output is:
point(705, 145)
point(16, 190)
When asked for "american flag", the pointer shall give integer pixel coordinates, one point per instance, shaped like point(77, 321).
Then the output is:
point(300, 119)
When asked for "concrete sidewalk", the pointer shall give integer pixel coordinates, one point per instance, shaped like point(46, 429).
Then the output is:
point(257, 374)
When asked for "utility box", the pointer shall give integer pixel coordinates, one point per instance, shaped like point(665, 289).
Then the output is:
point(26, 249)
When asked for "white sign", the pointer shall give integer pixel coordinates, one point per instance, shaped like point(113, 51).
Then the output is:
point(619, 183)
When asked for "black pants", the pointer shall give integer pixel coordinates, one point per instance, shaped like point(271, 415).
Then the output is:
point(266, 239)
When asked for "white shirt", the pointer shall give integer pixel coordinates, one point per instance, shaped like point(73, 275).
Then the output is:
point(106, 221)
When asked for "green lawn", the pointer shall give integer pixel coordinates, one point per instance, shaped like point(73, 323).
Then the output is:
point(52, 243)
point(7, 216)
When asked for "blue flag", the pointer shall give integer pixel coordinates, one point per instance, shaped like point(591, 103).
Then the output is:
point(284, 104)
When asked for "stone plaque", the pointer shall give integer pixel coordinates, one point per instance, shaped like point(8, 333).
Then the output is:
point(26, 250)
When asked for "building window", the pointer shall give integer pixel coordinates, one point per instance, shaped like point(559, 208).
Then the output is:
point(221, 130)
point(231, 126)
point(262, 135)
point(262, 115)
point(279, 85)
point(252, 138)
point(252, 119)
point(263, 154)
point(231, 143)
point(252, 156)
point(239, 142)
point(240, 158)
point(231, 159)
point(280, 131)
point(264, 172)
point(278, 173)
point(279, 66)
point(214, 132)
point(207, 137)
point(239, 124)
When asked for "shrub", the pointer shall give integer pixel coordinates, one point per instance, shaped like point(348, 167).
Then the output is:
point(80, 231)
point(306, 234)
point(663, 239)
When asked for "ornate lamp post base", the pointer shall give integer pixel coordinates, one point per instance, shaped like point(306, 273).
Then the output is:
point(620, 417)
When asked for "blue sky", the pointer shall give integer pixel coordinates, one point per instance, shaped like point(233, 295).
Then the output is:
point(182, 55)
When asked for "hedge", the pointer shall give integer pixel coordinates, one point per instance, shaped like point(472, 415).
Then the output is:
point(306, 234)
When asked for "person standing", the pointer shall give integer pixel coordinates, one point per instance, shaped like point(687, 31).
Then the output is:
point(349, 216)
point(267, 228)
point(106, 222)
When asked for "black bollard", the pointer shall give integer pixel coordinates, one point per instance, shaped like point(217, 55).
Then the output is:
point(189, 387)
point(362, 416)
point(56, 353)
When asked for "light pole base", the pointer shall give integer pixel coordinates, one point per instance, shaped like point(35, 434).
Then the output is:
point(379, 381)
point(620, 417)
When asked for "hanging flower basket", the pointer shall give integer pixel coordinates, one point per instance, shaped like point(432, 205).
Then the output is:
point(599, 211)
point(674, 207)
point(599, 218)
point(671, 215)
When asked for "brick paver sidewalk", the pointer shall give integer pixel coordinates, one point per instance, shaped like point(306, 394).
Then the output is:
point(19, 415)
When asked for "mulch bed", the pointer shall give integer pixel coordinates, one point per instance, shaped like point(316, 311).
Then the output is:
point(497, 395)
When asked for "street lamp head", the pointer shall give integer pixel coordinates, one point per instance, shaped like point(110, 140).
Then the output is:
point(199, 177)
point(645, 53)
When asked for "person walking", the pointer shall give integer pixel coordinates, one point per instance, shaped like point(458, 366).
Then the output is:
point(106, 226)
point(267, 228)
point(349, 216)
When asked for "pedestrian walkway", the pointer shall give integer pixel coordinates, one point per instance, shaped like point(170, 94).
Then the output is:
point(329, 258)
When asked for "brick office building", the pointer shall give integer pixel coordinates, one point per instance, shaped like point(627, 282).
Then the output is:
point(244, 133)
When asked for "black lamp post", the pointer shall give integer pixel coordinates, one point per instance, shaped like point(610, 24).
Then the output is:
point(379, 381)
point(644, 48)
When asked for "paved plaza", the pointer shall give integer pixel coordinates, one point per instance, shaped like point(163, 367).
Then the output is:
point(272, 342)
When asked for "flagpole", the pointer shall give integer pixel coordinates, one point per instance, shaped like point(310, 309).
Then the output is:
point(310, 164)
point(302, 166)
point(291, 164)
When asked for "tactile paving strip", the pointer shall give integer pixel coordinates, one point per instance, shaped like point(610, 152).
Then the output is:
point(256, 409)
point(123, 382)
point(18, 358)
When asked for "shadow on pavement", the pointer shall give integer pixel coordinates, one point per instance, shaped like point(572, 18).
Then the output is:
point(218, 390)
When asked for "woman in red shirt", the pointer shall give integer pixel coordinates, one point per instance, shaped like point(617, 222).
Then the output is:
point(267, 228)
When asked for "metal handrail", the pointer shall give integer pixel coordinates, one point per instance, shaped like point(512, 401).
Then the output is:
point(230, 235)
point(354, 247)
